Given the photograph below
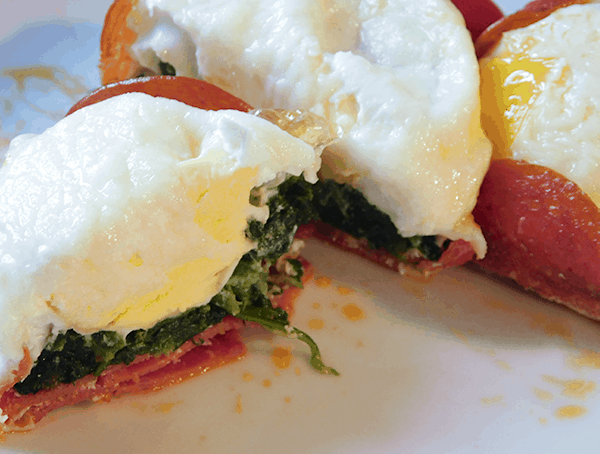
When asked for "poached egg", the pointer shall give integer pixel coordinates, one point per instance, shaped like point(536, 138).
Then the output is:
point(127, 212)
point(541, 96)
point(399, 79)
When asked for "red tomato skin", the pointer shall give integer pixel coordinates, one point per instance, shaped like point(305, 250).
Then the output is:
point(542, 231)
point(193, 92)
point(478, 14)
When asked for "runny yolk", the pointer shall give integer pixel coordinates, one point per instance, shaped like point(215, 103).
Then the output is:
point(509, 87)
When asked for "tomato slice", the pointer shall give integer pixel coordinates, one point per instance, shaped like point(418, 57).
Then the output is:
point(531, 13)
point(542, 231)
point(193, 92)
point(478, 14)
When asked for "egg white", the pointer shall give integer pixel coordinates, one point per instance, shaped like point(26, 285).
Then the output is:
point(549, 74)
point(127, 212)
point(398, 78)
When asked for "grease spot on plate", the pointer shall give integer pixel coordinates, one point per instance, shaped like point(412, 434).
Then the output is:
point(576, 389)
point(352, 312)
point(543, 394)
point(316, 323)
point(492, 400)
point(570, 412)
point(281, 357)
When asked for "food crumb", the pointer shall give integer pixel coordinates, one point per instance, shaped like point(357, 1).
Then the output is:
point(238, 405)
point(281, 357)
point(352, 312)
point(266, 383)
point(248, 376)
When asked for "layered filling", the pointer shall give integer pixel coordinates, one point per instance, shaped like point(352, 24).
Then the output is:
point(398, 79)
point(123, 241)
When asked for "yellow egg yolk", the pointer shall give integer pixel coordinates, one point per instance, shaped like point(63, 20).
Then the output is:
point(221, 214)
point(509, 87)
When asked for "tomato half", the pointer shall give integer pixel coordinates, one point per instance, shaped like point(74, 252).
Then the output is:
point(193, 92)
point(542, 231)
point(478, 14)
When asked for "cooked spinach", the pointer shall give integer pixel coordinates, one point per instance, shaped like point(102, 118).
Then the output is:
point(71, 356)
point(341, 206)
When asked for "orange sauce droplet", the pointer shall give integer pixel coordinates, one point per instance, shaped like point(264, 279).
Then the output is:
point(588, 358)
point(543, 421)
point(416, 289)
point(570, 412)
point(297, 371)
point(353, 312)
point(542, 394)
point(238, 405)
point(281, 357)
point(166, 407)
point(504, 365)
point(139, 406)
point(266, 383)
point(287, 399)
point(345, 291)
point(323, 282)
point(248, 376)
point(316, 306)
point(492, 400)
point(316, 323)
point(459, 334)
point(577, 389)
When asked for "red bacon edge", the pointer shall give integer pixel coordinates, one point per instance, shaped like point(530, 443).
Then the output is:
point(221, 344)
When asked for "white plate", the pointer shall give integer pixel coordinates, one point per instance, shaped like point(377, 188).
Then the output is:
point(462, 364)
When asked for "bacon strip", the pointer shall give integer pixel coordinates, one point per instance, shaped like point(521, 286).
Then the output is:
point(458, 253)
point(221, 344)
